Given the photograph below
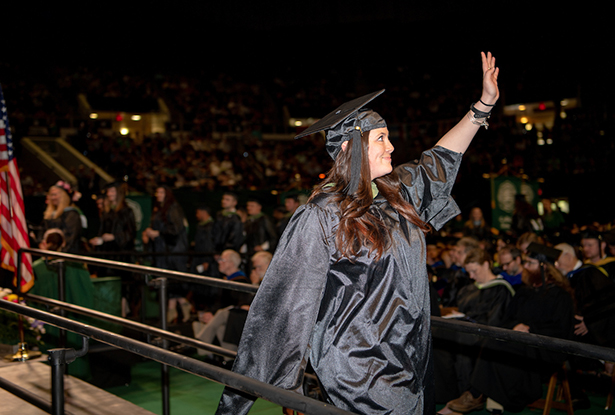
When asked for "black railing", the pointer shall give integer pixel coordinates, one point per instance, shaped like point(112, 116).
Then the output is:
point(253, 387)
point(142, 269)
point(160, 283)
point(234, 380)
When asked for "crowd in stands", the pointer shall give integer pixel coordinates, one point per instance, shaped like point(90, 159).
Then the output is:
point(420, 104)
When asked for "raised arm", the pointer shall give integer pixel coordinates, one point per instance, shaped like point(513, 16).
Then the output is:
point(460, 136)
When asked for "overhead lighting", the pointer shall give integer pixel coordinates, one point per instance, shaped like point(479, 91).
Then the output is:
point(124, 131)
point(298, 123)
point(93, 116)
point(135, 117)
point(522, 108)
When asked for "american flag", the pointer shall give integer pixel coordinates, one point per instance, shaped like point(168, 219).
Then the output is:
point(14, 230)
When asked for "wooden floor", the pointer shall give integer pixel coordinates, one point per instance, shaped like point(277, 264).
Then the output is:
point(80, 397)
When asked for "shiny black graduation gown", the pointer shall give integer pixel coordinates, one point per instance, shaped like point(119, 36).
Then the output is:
point(363, 324)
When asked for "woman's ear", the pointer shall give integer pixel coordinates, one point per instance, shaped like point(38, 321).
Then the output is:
point(344, 145)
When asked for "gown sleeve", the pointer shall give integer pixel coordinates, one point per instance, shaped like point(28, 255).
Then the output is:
point(172, 228)
point(71, 226)
point(427, 184)
point(275, 342)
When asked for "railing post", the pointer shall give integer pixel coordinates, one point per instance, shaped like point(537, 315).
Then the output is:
point(59, 358)
point(164, 370)
point(61, 297)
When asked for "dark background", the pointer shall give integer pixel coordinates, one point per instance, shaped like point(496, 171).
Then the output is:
point(546, 50)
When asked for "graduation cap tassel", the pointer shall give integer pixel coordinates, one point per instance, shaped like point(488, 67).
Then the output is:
point(355, 162)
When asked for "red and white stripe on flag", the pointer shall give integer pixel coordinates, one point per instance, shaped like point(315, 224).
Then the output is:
point(13, 225)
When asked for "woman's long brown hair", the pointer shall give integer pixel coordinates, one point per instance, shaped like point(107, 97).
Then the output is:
point(120, 198)
point(163, 208)
point(359, 227)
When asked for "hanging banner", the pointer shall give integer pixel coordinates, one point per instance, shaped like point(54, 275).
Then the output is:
point(504, 189)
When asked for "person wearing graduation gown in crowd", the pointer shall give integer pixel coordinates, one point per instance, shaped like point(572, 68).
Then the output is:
point(204, 262)
point(167, 231)
point(347, 288)
point(62, 213)
point(167, 234)
point(483, 302)
point(510, 375)
point(118, 227)
point(594, 294)
point(229, 227)
point(260, 234)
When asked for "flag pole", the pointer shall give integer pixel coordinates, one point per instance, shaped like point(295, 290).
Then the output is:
point(23, 353)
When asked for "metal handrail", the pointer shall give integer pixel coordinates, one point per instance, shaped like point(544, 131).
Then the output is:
point(158, 272)
point(496, 333)
point(242, 383)
point(529, 339)
point(143, 328)
point(162, 276)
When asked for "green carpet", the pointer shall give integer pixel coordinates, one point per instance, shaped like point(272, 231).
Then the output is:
point(191, 394)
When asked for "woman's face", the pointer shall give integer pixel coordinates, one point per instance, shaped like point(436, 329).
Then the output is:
point(160, 194)
point(112, 194)
point(476, 214)
point(478, 272)
point(54, 196)
point(379, 155)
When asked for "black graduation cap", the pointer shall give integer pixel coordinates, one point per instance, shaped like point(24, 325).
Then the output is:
point(592, 234)
point(543, 253)
point(348, 121)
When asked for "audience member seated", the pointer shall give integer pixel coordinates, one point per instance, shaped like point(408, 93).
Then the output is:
point(215, 328)
point(511, 263)
point(594, 294)
point(79, 290)
point(456, 276)
point(526, 239)
point(476, 226)
point(508, 375)
point(483, 302)
point(594, 249)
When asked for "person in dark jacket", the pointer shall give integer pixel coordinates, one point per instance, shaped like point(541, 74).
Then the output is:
point(118, 228)
point(259, 230)
point(167, 234)
point(228, 230)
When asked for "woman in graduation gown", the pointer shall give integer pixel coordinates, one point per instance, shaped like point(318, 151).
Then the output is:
point(62, 213)
point(347, 287)
point(118, 227)
point(167, 231)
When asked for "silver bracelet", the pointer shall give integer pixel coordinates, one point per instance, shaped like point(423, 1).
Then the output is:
point(482, 122)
